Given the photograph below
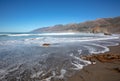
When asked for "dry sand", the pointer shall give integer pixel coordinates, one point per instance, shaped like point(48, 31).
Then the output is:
point(107, 67)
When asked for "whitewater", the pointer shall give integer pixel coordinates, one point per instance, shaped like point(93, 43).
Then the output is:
point(24, 58)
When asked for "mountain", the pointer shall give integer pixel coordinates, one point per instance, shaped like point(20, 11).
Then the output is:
point(101, 25)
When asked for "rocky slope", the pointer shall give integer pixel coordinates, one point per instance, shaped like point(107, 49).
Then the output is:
point(101, 25)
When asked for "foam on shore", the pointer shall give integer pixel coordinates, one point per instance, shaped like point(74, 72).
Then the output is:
point(60, 59)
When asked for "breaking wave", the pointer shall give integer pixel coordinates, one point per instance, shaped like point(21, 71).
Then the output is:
point(23, 55)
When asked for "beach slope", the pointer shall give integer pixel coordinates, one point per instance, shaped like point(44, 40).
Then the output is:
point(107, 67)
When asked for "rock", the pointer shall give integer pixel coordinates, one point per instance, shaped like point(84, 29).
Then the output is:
point(93, 62)
point(46, 44)
point(107, 33)
point(96, 29)
point(103, 57)
point(117, 69)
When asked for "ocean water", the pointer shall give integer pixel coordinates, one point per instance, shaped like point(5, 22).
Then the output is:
point(24, 58)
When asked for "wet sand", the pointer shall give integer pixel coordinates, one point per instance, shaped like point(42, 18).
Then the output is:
point(107, 67)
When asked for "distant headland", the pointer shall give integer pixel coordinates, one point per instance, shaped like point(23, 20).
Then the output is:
point(101, 25)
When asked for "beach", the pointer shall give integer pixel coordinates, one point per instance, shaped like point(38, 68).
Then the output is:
point(51, 57)
point(105, 69)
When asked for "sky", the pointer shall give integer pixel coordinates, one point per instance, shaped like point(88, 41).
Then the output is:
point(27, 15)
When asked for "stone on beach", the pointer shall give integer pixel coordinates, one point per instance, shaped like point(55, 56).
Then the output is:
point(46, 44)
point(103, 57)
point(107, 33)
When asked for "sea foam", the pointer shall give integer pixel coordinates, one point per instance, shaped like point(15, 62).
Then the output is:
point(61, 58)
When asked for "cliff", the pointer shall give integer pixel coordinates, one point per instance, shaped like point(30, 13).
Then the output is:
point(101, 25)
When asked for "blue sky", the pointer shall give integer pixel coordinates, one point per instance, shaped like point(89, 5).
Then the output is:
point(26, 15)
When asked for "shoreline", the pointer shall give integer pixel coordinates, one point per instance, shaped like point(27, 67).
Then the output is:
point(104, 67)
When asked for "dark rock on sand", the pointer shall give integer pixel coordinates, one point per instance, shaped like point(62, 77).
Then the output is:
point(46, 44)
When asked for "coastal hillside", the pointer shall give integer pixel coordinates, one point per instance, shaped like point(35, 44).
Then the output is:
point(101, 25)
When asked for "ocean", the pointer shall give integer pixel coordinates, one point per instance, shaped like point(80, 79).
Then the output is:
point(24, 58)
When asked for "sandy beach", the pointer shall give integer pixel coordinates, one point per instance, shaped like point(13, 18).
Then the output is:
point(106, 67)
